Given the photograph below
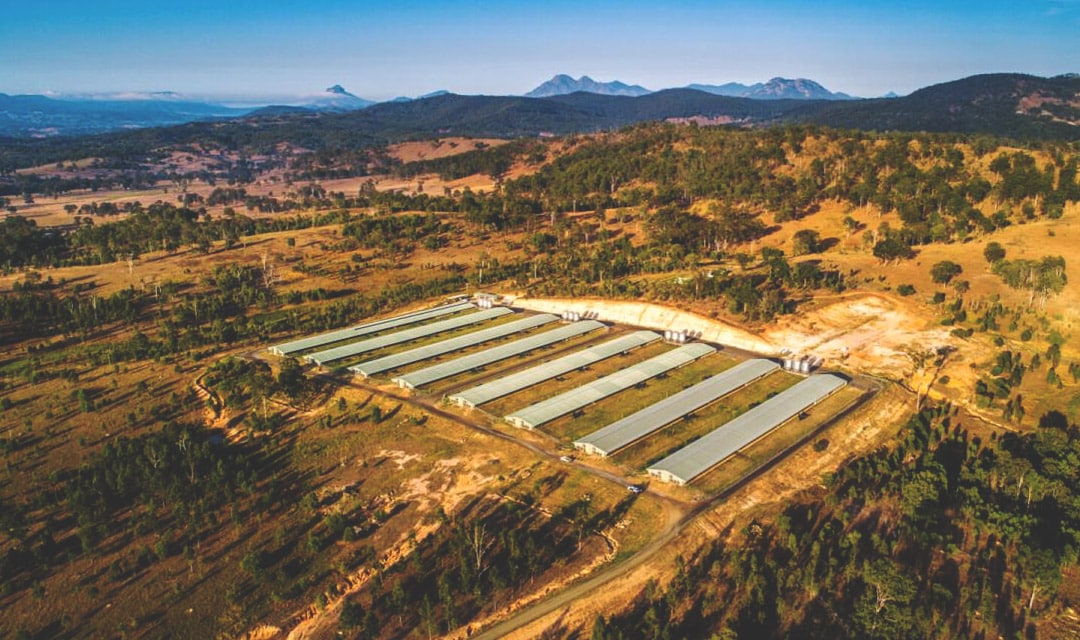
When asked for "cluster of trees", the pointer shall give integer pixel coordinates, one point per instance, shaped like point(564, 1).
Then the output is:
point(329, 164)
point(1006, 374)
point(1040, 278)
point(579, 259)
point(22, 242)
point(395, 231)
point(477, 562)
point(244, 383)
point(31, 313)
point(179, 472)
point(722, 229)
point(764, 294)
point(159, 226)
point(175, 482)
point(492, 161)
point(49, 186)
point(944, 536)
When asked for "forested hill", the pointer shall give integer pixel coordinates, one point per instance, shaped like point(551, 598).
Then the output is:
point(1011, 105)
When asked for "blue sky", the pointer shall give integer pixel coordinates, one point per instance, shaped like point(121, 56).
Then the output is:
point(382, 49)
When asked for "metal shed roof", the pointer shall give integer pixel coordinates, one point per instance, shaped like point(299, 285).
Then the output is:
point(545, 371)
point(396, 360)
point(495, 354)
point(632, 428)
point(341, 335)
point(405, 335)
point(547, 410)
point(698, 457)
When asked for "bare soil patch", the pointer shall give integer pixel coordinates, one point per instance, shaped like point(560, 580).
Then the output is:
point(641, 314)
point(440, 148)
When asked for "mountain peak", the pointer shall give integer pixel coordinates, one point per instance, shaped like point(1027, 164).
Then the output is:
point(562, 84)
point(776, 88)
point(336, 98)
point(797, 88)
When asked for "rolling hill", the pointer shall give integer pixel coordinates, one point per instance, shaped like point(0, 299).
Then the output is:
point(1014, 105)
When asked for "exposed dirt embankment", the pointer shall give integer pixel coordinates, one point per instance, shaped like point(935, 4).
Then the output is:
point(655, 316)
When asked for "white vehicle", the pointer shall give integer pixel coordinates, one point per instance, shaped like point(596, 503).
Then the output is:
point(635, 488)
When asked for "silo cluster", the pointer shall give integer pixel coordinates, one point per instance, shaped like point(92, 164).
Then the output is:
point(801, 364)
point(677, 337)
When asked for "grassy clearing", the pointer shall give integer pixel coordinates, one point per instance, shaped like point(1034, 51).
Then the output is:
point(639, 455)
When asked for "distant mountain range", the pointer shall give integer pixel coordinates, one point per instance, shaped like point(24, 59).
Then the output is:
point(1011, 105)
point(563, 84)
point(37, 116)
point(775, 89)
point(44, 116)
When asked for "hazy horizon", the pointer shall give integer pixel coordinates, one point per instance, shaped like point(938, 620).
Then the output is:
point(245, 51)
